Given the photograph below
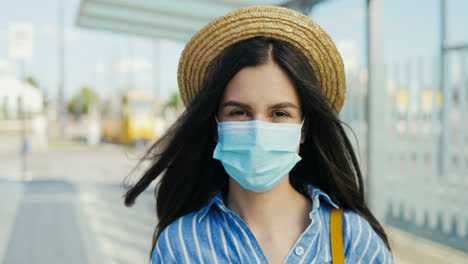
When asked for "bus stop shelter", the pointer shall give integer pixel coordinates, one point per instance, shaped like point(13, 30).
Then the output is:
point(166, 19)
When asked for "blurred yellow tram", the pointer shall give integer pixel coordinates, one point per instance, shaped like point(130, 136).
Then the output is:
point(130, 118)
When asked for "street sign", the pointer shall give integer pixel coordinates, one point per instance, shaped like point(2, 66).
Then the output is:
point(21, 40)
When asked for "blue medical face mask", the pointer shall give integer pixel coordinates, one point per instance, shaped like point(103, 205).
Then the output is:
point(257, 154)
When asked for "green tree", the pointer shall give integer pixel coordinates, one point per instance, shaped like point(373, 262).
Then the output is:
point(32, 81)
point(5, 113)
point(174, 103)
point(82, 101)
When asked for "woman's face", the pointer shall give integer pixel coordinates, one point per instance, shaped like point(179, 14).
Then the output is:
point(262, 93)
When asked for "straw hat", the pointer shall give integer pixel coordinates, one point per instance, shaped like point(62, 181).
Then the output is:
point(271, 21)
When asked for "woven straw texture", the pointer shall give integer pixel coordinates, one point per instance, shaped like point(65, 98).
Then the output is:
point(271, 21)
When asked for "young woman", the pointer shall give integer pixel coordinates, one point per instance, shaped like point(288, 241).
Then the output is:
point(258, 164)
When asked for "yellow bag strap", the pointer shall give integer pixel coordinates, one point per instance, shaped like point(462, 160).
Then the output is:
point(336, 236)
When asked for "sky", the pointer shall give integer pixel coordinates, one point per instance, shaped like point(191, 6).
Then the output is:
point(111, 61)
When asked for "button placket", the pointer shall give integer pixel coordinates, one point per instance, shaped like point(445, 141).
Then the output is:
point(299, 251)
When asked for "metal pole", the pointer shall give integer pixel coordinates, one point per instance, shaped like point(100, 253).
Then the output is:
point(62, 109)
point(376, 110)
point(156, 68)
point(463, 109)
point(130, 84)
point(443, 121)
point(22, 117)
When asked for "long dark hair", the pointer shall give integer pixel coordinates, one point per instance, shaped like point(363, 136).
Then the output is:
point(182, 158)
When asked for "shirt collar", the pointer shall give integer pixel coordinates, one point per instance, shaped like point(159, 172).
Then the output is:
point(314, 193)
point(216, 200)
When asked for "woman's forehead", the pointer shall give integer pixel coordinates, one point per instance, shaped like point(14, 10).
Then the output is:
point(267, 84)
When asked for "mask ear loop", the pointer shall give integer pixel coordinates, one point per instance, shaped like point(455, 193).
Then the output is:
point(216, 118)
point(302, 127)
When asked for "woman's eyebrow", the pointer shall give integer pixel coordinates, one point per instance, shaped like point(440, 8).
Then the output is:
point(236, 104)
point(284, 105)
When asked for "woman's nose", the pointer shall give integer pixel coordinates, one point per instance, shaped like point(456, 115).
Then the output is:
point(260, 117)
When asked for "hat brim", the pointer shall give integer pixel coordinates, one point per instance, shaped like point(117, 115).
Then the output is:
point(271, 21)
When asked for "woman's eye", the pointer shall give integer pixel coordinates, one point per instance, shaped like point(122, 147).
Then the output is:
point(237, 113)
point(280, 114)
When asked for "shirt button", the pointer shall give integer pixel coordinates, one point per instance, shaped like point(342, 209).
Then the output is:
point(299, 251)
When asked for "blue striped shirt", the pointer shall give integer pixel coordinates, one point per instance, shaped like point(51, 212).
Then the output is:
point(215, 234)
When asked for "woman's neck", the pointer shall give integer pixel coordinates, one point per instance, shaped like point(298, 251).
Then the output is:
point(272, 211)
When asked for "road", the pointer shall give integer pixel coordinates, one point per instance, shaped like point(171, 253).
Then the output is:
point(70, 210)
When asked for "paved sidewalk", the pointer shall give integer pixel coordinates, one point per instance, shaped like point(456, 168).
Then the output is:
point(60, 221)
point(410, 249)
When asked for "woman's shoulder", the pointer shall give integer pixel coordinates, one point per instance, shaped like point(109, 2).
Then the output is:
point(176, 239)
point(181, 225)
point(362, 243)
